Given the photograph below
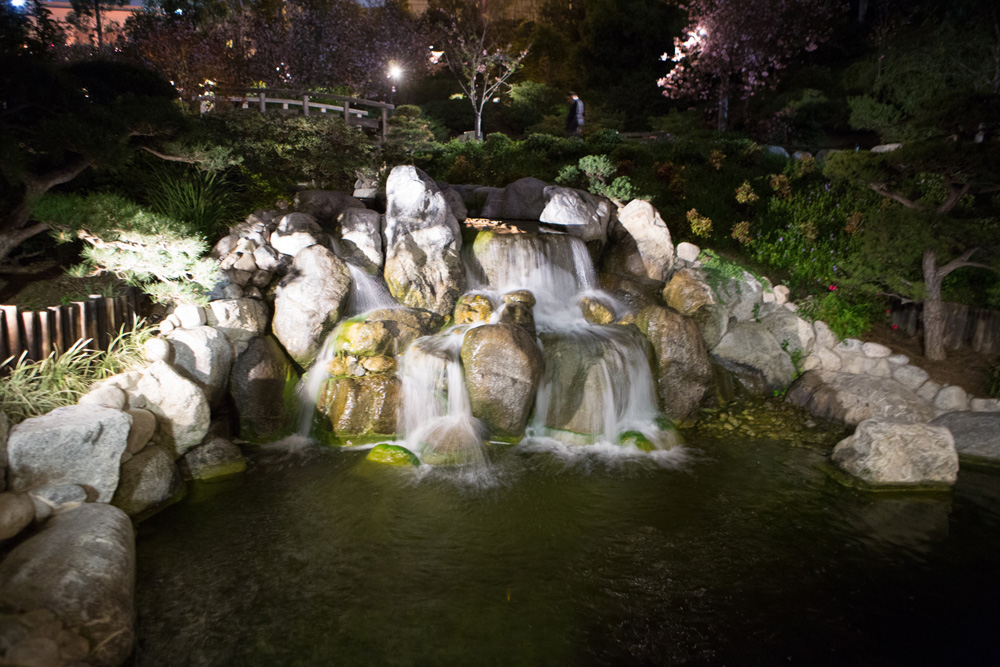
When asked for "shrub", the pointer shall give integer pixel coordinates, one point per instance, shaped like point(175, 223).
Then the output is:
point(161, 255)
point(203, 200)
point(846, 316)
point(700, 225)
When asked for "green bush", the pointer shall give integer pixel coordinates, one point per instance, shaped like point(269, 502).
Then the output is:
point(203, 200)
point(846, 316)
point(161, 255)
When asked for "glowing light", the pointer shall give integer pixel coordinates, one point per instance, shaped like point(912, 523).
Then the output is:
point(18, 3)
point(395, 71)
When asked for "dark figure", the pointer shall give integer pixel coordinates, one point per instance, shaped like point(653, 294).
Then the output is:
point(574, 119)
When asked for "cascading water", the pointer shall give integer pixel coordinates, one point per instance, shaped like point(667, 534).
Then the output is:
point(436, 415)
point(597, 386)
point(368, 292)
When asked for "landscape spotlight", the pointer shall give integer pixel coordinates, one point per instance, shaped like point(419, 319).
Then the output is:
point(18, 3)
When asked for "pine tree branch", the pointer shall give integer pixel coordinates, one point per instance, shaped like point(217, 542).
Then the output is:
point(881, 189)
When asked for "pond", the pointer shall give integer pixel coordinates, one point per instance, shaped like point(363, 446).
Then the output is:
point(715, 553)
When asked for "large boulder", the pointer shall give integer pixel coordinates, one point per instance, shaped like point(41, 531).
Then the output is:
point(521, 200)
point(360, 407)
point(294, 232)
point(181, 408)
point(259, 385)
point(683, 367)
point(17, 511)
point(852, 399)
point(892, 453)
point(325, 205)
point(204, 356)
point(688, 291)
point(976, 434)
point(149, 480)
point(361, 233)
point(383, 331)
point(582, 214)
point(642, 246)
point(742, 295)
point(423, 266)
point(503, 367)
point(239, 320)
point(81, 566)
point(77, 444)
point(309, 301)
point(750, 344)
point(791, 331)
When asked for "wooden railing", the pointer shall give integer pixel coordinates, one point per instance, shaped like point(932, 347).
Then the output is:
point(39, 333)
point(363, 113)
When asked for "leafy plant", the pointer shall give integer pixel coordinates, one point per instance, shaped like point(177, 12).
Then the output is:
point(845, 317)
point(33, 388)
point(161, 255)
point(204, 200)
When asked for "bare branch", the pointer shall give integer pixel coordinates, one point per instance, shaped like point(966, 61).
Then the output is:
point(895, 196)
point(962, 261)
point(955, 195)
point(170, 158)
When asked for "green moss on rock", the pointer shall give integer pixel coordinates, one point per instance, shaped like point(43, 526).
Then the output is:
point(394, 455)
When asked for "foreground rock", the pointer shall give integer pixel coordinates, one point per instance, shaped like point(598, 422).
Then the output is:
point(149, 480)
point(181, 409)
point(851, 399)
point(892, 453)
point(81, 566)
point(683, 367)
point(976, 434)
point(204, 356)
point(259, 384)
point(641, 246)
point(503, 367)
point(76, 444)
point(309, 302)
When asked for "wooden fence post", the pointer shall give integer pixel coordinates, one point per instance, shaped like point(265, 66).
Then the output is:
point(4, 350)
point(305, 105)
point(262, 97)
point(347, 111)
point(31, 340)
point(100, 321)
point(45, 327)
point(385, 122)
point(59, 329)
point(12, 327)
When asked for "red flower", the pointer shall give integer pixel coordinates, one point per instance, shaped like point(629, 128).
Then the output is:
point(894, 326)
point(833, 287)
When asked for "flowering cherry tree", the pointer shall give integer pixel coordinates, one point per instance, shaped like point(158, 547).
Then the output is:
point(738, 47)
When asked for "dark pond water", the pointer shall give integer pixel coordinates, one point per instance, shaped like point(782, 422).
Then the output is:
point(745, 553)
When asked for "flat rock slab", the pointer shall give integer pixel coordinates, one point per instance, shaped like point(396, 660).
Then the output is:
point(976, 434)
point(81, 566)
point(851, 399)
point(892, 453)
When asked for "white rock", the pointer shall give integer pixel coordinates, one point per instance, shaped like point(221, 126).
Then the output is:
point(875, 350)
point(688, 251)
point(951, 399)
point(928, 391)
point(984, 405)
point(158, 349)
point(181, 408)
point(830, 360)
point(781, 294)
point(898, 359)
point(824, 335)
point(105, 395)
point(884, 452)
point(189, 316)
point(911, 377)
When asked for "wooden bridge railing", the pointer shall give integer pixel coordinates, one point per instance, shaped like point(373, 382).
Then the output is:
point(39, 333)
point(356, 111)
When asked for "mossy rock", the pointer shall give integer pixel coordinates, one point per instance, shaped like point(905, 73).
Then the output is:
point(393, 455)
point(636, 439)
point(473, 309)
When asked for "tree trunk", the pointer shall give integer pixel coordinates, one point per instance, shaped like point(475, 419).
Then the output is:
point(479, 125)
point(933, 312)
point(97, 20)
point(10, 239)
point(723, 110)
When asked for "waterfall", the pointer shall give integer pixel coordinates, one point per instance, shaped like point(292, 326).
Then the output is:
point(435, 415)
point(368, 292)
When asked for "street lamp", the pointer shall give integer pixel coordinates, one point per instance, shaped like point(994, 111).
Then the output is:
point(395, 72)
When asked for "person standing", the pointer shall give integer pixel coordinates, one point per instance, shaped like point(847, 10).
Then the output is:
point(574, 119)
